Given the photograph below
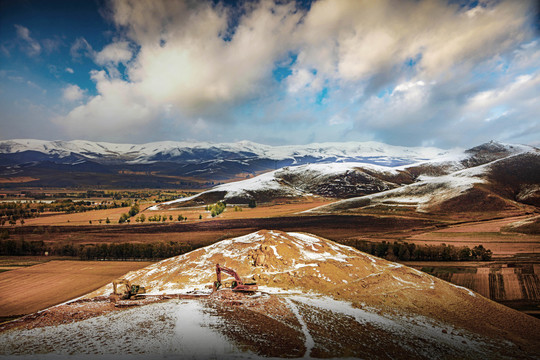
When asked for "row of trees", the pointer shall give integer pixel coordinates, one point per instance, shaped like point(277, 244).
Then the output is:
point(409, 251)
point(122, 251)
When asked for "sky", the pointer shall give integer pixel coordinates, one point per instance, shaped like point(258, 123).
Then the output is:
point(402, 72)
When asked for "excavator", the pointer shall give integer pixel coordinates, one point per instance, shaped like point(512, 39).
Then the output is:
point(125, 290)
point(237, 284)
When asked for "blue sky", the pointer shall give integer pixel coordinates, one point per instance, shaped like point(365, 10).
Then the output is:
point(408, 72)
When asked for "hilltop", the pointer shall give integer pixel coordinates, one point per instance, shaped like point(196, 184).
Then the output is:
point(317, 299)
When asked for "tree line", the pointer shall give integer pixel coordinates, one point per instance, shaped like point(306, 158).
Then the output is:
point(120, 251)
point(409, 251)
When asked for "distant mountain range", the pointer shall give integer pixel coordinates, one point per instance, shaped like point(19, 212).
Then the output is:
point(178, 164)
point(368, 175)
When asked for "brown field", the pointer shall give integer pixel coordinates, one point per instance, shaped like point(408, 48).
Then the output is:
point(192, 214)
point(30, 289)
point(20, 179)
point(513, 283)
point(487, 233)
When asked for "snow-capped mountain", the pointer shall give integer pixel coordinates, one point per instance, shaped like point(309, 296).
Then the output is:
point(184, 152)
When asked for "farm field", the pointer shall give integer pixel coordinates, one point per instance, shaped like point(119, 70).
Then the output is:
point(491, 234)
point(33, 288)
point(191, 213)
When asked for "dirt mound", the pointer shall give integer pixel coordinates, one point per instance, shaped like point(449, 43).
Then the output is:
point(306, 263)
point(317, 299)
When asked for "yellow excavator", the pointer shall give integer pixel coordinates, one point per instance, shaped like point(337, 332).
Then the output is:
point(124, 290)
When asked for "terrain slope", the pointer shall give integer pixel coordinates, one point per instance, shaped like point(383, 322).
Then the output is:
point(317, 299)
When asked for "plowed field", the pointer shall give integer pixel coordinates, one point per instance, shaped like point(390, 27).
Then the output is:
point(37, 287)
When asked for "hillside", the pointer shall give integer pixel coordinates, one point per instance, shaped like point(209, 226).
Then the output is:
point(508, 183)
point(489, 177)
point(335, 180)
point(317, 299)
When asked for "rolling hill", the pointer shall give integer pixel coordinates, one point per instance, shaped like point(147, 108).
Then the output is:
point(489, 177)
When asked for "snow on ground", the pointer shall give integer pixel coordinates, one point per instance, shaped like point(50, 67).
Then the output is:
point(161, 330)
point(274, 180)
point(428, 191)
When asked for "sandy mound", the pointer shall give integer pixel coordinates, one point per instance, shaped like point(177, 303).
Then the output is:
point(309, 264)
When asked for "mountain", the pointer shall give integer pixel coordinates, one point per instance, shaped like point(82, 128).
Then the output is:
point(317, 299)
point(510, 182)
point(491, 176)
point(177, 164)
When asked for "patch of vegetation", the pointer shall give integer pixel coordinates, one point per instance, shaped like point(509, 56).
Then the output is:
point(217, 208)
point(409, 251)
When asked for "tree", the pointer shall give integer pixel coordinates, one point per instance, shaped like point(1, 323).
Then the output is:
point(200, 216)
point(170, 217)
point(107, 221)
point(143, 218)
point(252, 203)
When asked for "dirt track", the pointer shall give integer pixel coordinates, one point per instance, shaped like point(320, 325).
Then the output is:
point(37, 287)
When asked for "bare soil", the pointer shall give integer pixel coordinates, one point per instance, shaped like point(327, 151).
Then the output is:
point(34, 288)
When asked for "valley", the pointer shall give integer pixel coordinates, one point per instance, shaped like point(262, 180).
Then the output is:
point(406, 220)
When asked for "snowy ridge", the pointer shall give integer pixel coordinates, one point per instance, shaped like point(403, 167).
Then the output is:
point(151, 152)
point(295, 181)
point(428, 191)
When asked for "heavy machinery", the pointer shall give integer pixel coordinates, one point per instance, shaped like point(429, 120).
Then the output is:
point(125, 290)
point(237, 284)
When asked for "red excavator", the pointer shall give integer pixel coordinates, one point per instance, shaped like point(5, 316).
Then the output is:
point(237, 284)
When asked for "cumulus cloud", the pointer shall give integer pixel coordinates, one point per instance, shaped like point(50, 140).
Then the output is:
point(115, 53)
point(30, 45)
point(117, 108)
point(73, 93)
point(358, 40)
point(387, 68)
point(69, 70)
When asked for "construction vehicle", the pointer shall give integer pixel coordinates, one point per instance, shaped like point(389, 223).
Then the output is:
point(237, 284)
point(124, 290)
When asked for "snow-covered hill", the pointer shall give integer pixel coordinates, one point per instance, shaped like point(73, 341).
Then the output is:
point(423, 186)
point(339, 180)
point(493, 185)
point(318, 299)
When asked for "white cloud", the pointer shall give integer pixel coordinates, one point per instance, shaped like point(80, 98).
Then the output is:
point(388, 65)
point(358, 40)
point(31, 46)
point(117, 108)
point(115, 53)
point(73, 93)
point(69, 70)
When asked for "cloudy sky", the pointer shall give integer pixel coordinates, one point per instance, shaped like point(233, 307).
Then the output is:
point(403, 72)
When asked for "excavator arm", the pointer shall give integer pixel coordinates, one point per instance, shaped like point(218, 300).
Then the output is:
point(237, 285)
